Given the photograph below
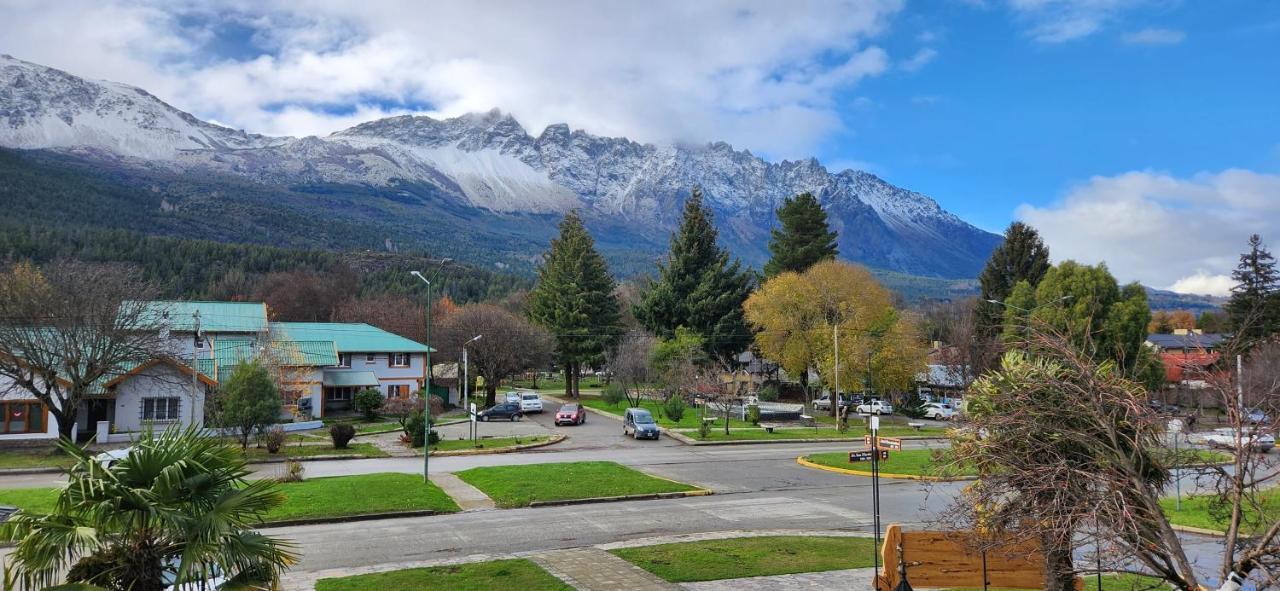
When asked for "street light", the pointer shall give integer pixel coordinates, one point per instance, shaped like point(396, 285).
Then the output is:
point(466, 384)
point(426, 397)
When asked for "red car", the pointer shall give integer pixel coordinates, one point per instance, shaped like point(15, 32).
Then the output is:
point(571, 414)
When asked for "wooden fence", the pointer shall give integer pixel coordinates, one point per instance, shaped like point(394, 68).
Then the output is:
point(942, 559)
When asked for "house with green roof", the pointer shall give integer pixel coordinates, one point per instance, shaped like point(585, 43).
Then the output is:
point(320, 366)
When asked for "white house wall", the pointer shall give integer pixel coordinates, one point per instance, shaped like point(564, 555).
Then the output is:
point(410, 376)
point(11, 392)
point(158, 381)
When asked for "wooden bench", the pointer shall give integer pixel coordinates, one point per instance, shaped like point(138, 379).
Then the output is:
point(916, 426)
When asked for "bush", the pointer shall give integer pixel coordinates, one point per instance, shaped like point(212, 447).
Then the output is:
point(769, 392)
point(274, 439)
point(613, 394)
point(912, 407)
point(414, 431)
point(341, 434)
point(674, 408)
point(434, 437)
point(368, 401)
point(753, 414)
point(704, 429)
point(293, 471)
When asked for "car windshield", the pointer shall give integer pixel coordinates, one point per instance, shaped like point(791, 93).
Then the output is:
point(530, 396)
point(642, 417)
point(569, 408)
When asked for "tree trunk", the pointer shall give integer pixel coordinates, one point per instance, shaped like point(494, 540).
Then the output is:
point(490, 393)
point(568, 379)
point(577, 371)
point(66, 427)
point(1059, 574)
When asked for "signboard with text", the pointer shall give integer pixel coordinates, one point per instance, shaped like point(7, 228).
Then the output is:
point(865, 455)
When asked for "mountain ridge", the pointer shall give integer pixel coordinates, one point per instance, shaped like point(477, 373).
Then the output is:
point(487, 166)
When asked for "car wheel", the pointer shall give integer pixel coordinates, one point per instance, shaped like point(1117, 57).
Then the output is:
point(484, 419)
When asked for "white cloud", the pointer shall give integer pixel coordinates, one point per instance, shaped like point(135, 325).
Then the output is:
point(1205, 284)
point(919, 60)
point(1164, 231)
point(1059, 21)
point(1155, 36)
point(763, 76)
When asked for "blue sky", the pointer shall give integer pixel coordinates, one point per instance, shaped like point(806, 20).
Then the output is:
point(1140, 133)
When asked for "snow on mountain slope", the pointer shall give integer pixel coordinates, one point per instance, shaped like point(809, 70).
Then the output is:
point(487, 161)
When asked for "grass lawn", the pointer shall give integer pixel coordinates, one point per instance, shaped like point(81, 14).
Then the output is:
point(1109, 583)
point(523, 575)
point(1193, 456)
point(517, 486)
point(317, 497)
point(749, 557)
point(689, 420)
point(918, 462)
point(367, 450)
point(1195, 511)
point(556, 384)
point(36, 457)
point(487, 443)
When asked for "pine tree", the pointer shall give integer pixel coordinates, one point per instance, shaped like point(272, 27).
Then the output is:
point(1254, 307)
point(698, 287)
point(574, 301)
point(1021, 257)
point(804, 239)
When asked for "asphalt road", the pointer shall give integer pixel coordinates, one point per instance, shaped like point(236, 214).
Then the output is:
point(758, 487)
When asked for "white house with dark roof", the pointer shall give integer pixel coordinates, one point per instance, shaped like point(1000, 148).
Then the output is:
point(320, 365)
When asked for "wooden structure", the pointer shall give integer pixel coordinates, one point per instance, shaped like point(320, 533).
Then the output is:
point(941, 559)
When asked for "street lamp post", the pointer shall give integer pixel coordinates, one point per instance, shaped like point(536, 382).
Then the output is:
point(426, 397)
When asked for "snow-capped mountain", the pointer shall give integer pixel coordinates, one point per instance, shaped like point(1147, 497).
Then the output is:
point(489, 163)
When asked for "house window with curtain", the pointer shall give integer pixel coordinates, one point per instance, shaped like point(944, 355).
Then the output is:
point(161, 409)
point(399, 360)
point(398, 391)
point(25, 416)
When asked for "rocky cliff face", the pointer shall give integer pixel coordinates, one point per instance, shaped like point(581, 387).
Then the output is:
point(490, 163)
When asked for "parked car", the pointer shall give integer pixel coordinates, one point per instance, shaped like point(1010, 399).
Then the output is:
point(1257, 417)
point(1226, 438)
point(507, 410)
point(530, 402)
point(571, 414)
point(512, 397)
point(823, 402)
point(938, 411)
point(874, 407)
point(639, 423)
point(110, 457)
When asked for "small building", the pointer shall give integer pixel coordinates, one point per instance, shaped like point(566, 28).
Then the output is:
point(1187, 355)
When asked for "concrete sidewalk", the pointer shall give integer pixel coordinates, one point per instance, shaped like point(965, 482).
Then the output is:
point(468, 497)
point(854, 579)
point(592, 569)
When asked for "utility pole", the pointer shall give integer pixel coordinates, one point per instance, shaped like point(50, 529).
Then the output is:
point(466, 384)
point(835, 390)
point(195, 361)
point(426, 396)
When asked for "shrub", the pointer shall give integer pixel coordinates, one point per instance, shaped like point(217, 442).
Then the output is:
point(274, 439)
point(433, 437)
point(613, 394)
point(293, 471)
point(704, 429)
point(913, 407)
point(414, 431)
point(753, 414)
point(769, 392)
point(674, 408)
point(341, 434)
point(437, 406)
point(368, 401)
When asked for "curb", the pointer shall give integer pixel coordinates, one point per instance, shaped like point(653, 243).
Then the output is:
point(350, 518)
point(589, 409)
point(20, 471)
point(806, 463)
point(500, 450)
point(700, 492)
point(317, 459)
point(1198, 530)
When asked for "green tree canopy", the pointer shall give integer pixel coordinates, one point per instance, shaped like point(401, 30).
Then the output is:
point(804, 239)
point(248, 400)
point(698, 287)
point(1021, 257)
point(574, 300)
point(1254, 307)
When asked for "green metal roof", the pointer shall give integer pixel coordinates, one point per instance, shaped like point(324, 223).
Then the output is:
point(230, 351)
point(299, 353)
point(350, 378)
point(347, 337)
point(249, 317)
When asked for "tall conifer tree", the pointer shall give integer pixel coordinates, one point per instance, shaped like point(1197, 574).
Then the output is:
point(699, 288)
point(1254, 307)
point(574, 300)
point(1021, 257)
point(804, 239)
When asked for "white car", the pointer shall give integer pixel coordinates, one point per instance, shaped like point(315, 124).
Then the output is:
point(530, 402)
point(938, 411)
point(1226, 438)
point(874, 407)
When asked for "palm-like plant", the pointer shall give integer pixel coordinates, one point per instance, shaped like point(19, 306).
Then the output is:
point(178, 507)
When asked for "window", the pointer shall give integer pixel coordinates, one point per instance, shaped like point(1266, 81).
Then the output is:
point(344, 360)
point(399, 360)
point(160, 409)
point(398, 391)
point(22, 417)
point(368, 358)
